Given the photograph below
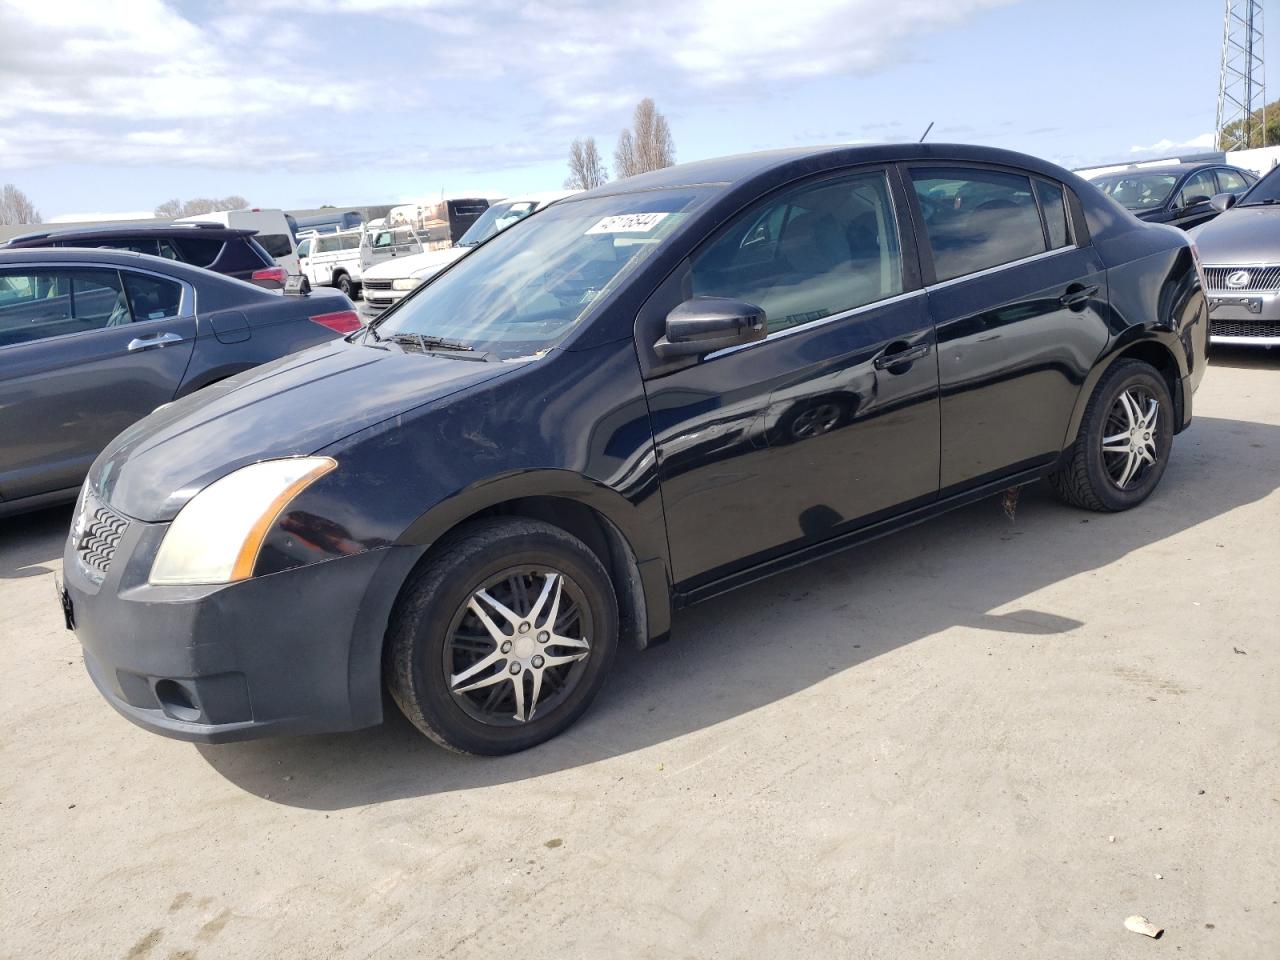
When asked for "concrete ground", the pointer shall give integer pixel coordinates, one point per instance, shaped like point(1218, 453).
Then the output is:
point(974, 739)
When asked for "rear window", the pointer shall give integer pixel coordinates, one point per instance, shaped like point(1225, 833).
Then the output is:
point(328, 244)
point(199, 251)
point(276, 244)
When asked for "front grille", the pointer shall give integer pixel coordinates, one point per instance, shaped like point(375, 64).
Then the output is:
point(98, 532)
point(1244, 328)
point(377, 284)
point(1261, 278)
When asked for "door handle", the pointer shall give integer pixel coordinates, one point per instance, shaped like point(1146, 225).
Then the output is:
point(158, 340)
point(900, 357)
point(1077, 296)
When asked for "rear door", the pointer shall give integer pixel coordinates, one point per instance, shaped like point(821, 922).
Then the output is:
point(1018, 297)
point(84, 353)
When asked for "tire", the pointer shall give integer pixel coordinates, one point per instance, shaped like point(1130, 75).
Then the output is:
point(437, 645)
point(1093, 479)
point(343, 283)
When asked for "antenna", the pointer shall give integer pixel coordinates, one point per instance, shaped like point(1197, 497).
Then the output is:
point(926, 131)
point(1242, 89)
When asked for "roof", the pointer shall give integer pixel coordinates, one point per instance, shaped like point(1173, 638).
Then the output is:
point(213, 230)
point(16, 256)
point(738, 169)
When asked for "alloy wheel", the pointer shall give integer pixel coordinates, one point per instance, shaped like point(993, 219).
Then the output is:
point(1129, 439)
point(517, 647)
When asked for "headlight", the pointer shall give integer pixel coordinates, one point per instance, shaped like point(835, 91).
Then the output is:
point(408, 283)
point(215, 538)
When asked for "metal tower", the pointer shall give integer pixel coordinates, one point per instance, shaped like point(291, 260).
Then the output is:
point(1242, 89)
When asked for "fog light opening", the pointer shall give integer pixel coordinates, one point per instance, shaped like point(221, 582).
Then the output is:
point(176, 701)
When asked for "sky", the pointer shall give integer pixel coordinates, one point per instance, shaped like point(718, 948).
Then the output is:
point(114, 106)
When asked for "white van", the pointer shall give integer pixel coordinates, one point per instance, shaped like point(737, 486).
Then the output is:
point(274, 231)
point(331, 259)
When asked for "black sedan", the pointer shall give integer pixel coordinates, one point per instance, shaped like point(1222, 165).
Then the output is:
point(630, 401)
point(1176, 193)
point(93, 340)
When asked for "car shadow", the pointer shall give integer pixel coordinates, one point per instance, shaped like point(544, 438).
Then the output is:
point(746, 649)
point(31, 543)
point(1245, 358)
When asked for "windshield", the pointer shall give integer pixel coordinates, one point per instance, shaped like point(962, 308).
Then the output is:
point(496, 219)
point(1138, 191)
point(523, 292)
point(1266, 190)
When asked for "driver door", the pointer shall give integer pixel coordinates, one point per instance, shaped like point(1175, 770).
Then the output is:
point(84, 353)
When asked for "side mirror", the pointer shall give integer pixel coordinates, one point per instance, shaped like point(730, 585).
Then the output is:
point(706, 324)
point(1195, 201)
point(1222, 202)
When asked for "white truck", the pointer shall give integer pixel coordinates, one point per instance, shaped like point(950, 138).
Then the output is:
point(332, 259)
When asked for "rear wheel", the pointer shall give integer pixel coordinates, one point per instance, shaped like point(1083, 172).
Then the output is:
point(504, 638)
point(343, 283)
point(1123, 446)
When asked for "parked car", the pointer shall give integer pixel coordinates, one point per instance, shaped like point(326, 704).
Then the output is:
point(275, 231)
point(1177, 193)
point(235, 253)
point(1240, 251)
point(474, 500)
point(332, 260)
point(385, 243)
point(388, 282)
point(330, 222)
point(93, 340)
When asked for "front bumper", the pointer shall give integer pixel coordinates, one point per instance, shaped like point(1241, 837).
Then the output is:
point(377, 301)
point(293, 652)
point(1245, 319)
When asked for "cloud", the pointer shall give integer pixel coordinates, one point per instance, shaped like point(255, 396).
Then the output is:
point(1206, 141)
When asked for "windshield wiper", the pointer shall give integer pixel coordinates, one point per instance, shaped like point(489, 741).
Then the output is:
point(438, 345)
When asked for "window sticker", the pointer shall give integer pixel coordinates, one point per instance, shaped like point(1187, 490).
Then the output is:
point(627, 223)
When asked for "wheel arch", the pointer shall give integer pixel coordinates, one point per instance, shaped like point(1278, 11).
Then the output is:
point(1136, 344)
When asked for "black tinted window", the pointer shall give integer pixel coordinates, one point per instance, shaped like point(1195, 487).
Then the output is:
point(276, 244)
point(200, 251)
point(151, 297)
point(977, 219)
point(1052, 202)
point(134, 244)
point(808, 253)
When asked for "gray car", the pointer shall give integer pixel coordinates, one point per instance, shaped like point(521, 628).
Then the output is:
point(93, 340)
point(1240, 251)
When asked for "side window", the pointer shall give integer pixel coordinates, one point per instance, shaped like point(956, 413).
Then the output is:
point(351, 241)
point(97, 300)
point(1231, 182)
point(1198, 188)
point(304, 249)
point(1053, 203)
point(382, 240)
point(152, 298)
point(276, 244)
point(328, 244)
point(807, 253)
point(977, 219)
point(167, 251)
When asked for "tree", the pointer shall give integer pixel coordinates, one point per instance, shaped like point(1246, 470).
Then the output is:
point(647, 145)
point(1233, 133)
point(16, 207)
point(586, 169)
point(172, 209)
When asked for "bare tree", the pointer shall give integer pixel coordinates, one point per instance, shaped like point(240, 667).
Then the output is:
point(586, 169)
point(172, 209)
point(647, 145)
point(16, 206)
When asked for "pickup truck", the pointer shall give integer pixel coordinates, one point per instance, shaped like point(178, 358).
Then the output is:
point(331, 259)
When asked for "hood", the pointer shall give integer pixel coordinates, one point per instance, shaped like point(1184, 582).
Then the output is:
point(292, 407)
point(1242, 235)
point(400, 267)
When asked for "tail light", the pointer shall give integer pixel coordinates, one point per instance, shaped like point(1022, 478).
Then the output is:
point(278, 274)
point(342, 321)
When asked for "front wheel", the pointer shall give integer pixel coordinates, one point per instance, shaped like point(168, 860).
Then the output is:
point(504, 638)
point(1123, 446)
